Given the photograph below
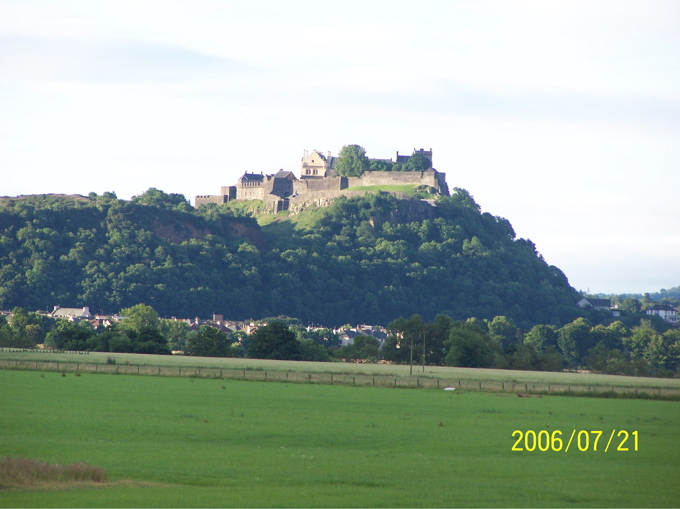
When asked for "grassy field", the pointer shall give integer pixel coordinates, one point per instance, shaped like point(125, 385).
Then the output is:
point(447, 375)
point(186, 442)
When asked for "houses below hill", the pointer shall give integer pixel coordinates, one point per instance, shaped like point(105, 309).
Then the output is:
point(598, 304)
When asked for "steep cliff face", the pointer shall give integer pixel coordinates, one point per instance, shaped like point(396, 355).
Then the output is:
point(409, 210)
point(326, 198)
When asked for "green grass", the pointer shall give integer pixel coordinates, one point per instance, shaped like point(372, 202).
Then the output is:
point(416, 191)
point(247, 206)
point(446, 374)
point(178, 442)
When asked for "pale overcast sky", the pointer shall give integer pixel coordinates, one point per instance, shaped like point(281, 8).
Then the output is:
point(561, 116)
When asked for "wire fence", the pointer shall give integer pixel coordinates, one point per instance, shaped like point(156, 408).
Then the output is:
point(359, 380)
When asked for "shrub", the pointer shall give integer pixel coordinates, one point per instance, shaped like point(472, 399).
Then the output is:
point(16, 472)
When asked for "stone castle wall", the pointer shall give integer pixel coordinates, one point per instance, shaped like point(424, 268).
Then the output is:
point(392, 178)
point(209, 198)
point(281, 193)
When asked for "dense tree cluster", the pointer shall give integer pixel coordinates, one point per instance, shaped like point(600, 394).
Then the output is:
point(651, 348)
point(367, 259)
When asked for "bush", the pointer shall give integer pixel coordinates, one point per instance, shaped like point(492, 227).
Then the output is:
point(16, 472)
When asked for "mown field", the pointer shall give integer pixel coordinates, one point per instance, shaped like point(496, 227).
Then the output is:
point(191, 442)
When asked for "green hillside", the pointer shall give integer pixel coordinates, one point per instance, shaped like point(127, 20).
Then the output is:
point(363, 259)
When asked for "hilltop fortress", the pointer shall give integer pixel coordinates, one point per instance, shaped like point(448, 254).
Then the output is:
point(320, 185)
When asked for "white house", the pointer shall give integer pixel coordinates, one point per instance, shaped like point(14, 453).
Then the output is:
point(667, 313)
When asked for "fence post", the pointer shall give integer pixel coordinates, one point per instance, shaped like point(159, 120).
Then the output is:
point(353, 381)
point(480, 386)
point(548, 387)
point(331, 377)
point(503, 386)
point(373, 381)
point(96, 368)
point(437, 383)
point(265, 375)
point(526, 388)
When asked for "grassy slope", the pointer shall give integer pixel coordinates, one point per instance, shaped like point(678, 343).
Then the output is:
point(228, 443)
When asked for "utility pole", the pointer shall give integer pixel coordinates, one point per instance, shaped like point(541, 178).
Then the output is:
point(423, 351)
point(412, 334)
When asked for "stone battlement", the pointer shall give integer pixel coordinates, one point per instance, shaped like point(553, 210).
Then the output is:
point(319, 184)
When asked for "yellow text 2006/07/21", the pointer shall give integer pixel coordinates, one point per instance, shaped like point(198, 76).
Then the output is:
point(579, 440)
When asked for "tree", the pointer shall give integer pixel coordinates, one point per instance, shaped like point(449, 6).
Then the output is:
point(139, 317)
point(631, 305)
point(274, 341)
point(67, 335)
point(505, 329)
point(149, 340)
point(312, 351)
point(378, 165)
point(177, 333)
point(471, 347)
point(352, 161)
point(408, 339)
point(541, 337)
point(363, 347)
point(574, 341)
point(157, 198)
point(417, 162)
point(210, 342)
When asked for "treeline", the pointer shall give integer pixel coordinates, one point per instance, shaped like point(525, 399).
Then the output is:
point(650, 348)
point(360, 260)
point(352, 162)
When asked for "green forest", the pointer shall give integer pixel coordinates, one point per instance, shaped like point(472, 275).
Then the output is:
point(369, 259)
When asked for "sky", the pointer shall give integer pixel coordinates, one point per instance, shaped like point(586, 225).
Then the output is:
point(561, 116)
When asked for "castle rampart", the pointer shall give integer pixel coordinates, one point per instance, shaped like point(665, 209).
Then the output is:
point(318, 184)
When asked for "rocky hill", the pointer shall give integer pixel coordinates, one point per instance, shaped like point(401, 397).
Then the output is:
point(367, 259)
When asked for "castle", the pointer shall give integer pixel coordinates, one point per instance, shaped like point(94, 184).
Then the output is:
point(319, 184)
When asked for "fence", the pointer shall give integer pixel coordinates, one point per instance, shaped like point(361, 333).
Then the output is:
point(361, 380)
